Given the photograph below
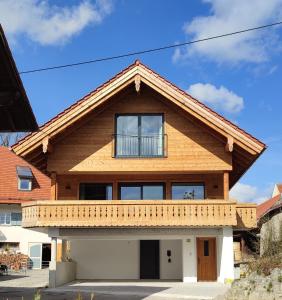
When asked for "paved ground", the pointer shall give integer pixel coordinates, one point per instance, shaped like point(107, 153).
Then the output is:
point(23, 287)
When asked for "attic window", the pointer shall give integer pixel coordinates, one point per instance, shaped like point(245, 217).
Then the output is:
point(24, 178)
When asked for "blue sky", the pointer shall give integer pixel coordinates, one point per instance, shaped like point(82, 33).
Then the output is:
point(240, 77)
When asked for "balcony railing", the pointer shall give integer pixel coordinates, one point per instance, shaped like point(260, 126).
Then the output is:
point(154, 213)
point(139, 146)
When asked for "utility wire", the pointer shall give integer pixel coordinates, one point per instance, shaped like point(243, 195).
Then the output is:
point(148, 50)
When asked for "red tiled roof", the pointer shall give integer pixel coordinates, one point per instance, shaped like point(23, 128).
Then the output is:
point(136, 63)
point(265, 206)
point(9, 192)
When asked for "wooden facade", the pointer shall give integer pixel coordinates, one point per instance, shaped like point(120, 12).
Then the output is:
point(78, 146)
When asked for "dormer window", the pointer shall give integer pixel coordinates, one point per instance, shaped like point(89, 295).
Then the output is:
point(139, 135)
point(25, 177)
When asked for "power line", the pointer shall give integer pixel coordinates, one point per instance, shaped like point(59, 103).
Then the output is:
point(148, 50)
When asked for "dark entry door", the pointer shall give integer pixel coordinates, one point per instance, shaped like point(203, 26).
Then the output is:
point(150, 259)
point(206, 252)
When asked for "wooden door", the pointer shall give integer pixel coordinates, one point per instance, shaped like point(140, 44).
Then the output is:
point(150, 259)
point(206, 259)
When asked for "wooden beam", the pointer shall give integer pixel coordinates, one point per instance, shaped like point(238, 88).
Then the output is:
point(46, 145)
point(226, 185)
point(54, 191)
point(229, 144)
point(137, 81)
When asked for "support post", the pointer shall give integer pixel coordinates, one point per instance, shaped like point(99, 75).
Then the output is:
point(53, 194)
point(226, 267)
point(53, 263)
point(226, 186)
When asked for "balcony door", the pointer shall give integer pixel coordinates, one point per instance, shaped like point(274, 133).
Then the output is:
point(141, 191)
point(139, 135)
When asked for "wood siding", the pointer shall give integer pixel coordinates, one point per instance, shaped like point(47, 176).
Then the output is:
point(68, 185)
point(89, 148)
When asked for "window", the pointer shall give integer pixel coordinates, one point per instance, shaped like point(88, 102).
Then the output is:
point(16, 219)
point(95, 191)
point(188, 191)
point(141, 191)
point(24, 184)
point(5, 218)
point(24, 178)
point(8, 218)
point(206, 248)
point(139, 135)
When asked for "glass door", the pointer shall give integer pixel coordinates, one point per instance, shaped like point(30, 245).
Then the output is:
point(35, 255)
point(141, 191)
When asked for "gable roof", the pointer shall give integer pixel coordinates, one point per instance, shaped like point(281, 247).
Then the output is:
point(147, 76)
point(264, 207)
point(9, 192)
point(15, 111)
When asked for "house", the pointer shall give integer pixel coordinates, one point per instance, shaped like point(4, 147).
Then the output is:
point(16, 114)
point(20, 182)
point(140, 178)
point(269, 214)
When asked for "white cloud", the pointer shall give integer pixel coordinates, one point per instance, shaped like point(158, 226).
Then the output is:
point(228, 16)
point(249, 193)
point(48, 24)
point(220, 98)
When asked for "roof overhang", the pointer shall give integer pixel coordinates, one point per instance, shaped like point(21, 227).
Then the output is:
point(15, 110)
point(137, 74)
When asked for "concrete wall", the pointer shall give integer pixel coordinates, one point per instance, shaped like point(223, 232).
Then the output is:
point(99, 259)
point(65, 272)
point(270, 230)
point(173, 269)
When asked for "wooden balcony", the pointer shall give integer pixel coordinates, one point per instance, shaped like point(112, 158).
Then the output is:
point(157, 213)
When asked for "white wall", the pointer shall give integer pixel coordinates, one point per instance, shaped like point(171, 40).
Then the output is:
point(100, 259)
point(225, 255)
point(189, 258)
point(173, 269)
point(17, 234)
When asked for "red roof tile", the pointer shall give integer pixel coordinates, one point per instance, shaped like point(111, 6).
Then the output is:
point(279, 186)
point(136, 63)
point(265, 206)
point(9, 192)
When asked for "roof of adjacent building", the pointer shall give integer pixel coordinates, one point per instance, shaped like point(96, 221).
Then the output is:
point(15, 111)
point(243, 140)
point(267, 205)
point(9, 192)
point(279, 187)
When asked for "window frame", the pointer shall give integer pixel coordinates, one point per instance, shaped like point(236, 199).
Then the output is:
point(29, 186)
point(189, 184)
point(5, 216)
point(139, 115)
point(141, 184)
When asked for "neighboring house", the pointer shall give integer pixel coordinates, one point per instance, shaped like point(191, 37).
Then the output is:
point(20, 182)
point(269, 215)
point(15, 111)
point(140, 179)
point(277, 189)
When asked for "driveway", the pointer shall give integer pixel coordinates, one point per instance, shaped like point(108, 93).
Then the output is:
point(16, 286)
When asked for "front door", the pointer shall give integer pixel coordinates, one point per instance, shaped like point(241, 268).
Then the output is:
point(206, 259)
point(150, 259)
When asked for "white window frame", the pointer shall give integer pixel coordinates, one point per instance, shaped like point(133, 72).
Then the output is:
point(29, 186)
point(5, 216)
